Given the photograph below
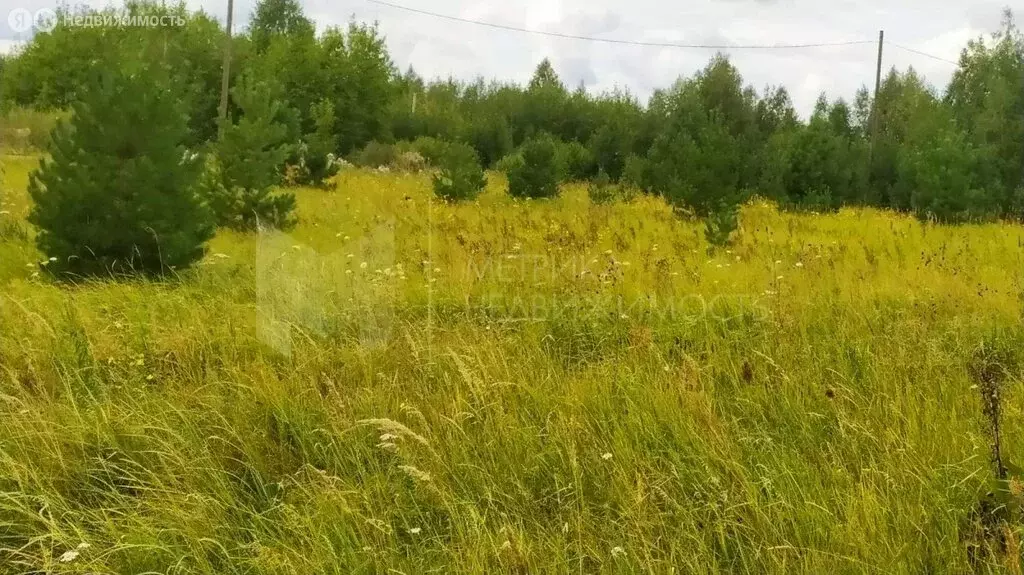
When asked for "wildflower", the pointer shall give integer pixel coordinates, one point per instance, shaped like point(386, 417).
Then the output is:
point(618, 551)
point(415, 530)
point(69, 556)
point(362, 266)
point(799, 264)
point(606, 456)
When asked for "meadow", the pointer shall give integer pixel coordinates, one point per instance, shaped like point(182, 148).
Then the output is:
point(403, 386)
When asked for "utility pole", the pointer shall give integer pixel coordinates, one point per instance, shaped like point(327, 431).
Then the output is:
point(226, 78)
point(874, 102)
point(878, 81)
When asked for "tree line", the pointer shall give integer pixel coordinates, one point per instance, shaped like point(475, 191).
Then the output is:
point(144, 98)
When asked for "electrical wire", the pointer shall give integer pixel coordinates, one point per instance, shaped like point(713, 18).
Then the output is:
point(621, 41)
point(925, 54)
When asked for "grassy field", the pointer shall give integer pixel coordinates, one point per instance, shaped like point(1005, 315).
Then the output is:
point(401, 386)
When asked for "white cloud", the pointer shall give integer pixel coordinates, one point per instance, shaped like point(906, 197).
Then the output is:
point(441, 48)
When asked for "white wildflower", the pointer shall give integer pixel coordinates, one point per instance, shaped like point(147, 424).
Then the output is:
point(415, 530)
point(618, 551)
point(69, 556)
point(606, 456)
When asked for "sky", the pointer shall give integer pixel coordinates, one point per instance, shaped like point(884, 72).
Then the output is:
point(437, 47)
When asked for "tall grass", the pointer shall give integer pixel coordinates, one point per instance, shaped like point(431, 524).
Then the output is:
point(527, 387)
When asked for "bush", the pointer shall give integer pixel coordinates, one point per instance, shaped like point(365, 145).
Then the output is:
point(461, 177)
point(409, 162)
point(375, 155)
point(509, 163)
point(636, 172)
point(118, 191)
point(432, 149)
point(320, 145)
point(720, 223)
point(536, 176)
point(603, 191)
point(239, 181)
point(575, 161)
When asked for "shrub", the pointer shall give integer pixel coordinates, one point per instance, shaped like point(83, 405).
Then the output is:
point(537, 175)
point(720, 223)
point(603, 191)
point(375, 155)
point(320, 145)
point(575, 161)
point(509, 163)
point(118, 191)
point(636, 172)
point(409, 162)
point(432, 149)
point(239, 182)
point(461, 177)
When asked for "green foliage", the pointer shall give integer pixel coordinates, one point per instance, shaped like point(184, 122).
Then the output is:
point(537, 174)
point(602, 190)
point(510, 163)
point(118, 191)
point(54, 68)
point(321, 144)
point(826, 161)
point(432, 149)
point(277, 18)
point(375, 155)
point(720, 224)
point(704, 156)
point(575, 162)
point(250, 154)
point(460, 177)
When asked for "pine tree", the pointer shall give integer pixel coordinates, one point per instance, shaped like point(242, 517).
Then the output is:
point(535, 175)
point(249, 155)
point(321, 144)
point(118, 192)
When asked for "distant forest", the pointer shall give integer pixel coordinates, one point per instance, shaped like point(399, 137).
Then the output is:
point(707, 143)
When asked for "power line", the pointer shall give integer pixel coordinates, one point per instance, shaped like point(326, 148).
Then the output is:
point(620, 41)
point(925, 54)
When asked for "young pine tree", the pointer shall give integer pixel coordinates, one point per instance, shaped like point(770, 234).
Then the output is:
point(460, 177)
point(321, 144)
point(118, 191)
point(536, 175)
point(250, 153)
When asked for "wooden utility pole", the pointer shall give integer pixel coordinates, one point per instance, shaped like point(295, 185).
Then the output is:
point(878, 84)
point(878, 71)
point(226, 78)
point(874, 101)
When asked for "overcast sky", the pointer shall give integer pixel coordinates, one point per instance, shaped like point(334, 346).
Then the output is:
point(441, 48)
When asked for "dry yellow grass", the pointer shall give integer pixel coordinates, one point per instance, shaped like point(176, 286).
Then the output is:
point(405, 386)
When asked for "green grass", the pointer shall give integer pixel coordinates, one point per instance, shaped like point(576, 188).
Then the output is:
point(522, 387)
